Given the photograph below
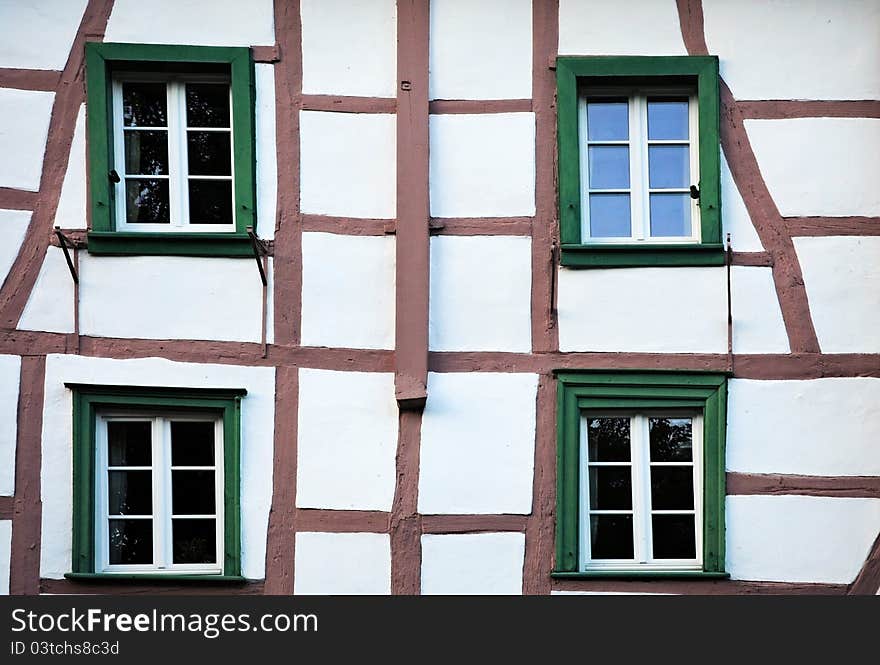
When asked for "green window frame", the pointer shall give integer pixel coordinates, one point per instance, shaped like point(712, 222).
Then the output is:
point(702, 392)
point(102, 59)
point(616, 70)
point(88, 401)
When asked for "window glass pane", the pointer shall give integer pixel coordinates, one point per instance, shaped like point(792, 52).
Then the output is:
point(608, 439)
point(130, 492)
point(610, 488)
point(607, 120)
point(146, 152)
point(131, 541)
point(672, 487)
point(609, 216)
point(207, 104)
point(208, 153)
point(192, 492)
point(128, 443)
point(144, 105)
point(669, 166)
point(146, 202)
point(609, 166)
point(192, 443)
point(667, 118)
point(194, 541)
point(671, 439)
point(674, 537)
point(670, 215)
point(210, 202)
point(611, 537)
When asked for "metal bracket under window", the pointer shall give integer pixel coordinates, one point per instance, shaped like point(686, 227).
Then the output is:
point(260, 250)
point(64, 241)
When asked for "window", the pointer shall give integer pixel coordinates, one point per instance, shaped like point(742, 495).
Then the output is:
point(156, 482)
point(639, 161)
point(171, 149)
point(640, 474)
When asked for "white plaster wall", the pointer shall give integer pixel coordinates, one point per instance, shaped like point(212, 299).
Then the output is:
point(757, 319)
point(735, 218)
point(5, 551)
point(342, 564)
point(347, 440)
point(50, 306)
point(822, 427)
point(481, 50)
point(349, 48)
point(819, 166)
point(13, 227)
point(267, 167)
point(348, 293)
point(480, 296)
point(799, 538)
point(478, 444)
point(638, 27)
point(24, 126)
point(473, 564)
point(257, 436)
point(842, 277)
point(482, 165)
point(662, 310)
point(38, 35)
point(193, 22)
point(71, 212)
point(818, 49)
point(348, 164)
point(169, 297)
point(10, 372)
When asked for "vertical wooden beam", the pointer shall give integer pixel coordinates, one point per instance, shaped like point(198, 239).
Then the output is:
point(412, 244)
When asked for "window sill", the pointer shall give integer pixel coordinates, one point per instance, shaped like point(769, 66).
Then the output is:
point(639, 574)
point(155, 577)
point(644, 255)
point(169, 244)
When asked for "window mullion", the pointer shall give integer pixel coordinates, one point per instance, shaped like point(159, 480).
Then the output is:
point(158, 493)
point(644, 183)
point(635, 176)
point(638, 488)
point(176, 156)
point(645, 454)
point(118, 123)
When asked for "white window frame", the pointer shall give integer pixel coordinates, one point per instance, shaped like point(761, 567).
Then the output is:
point(163, 560)
point(178, 168)
point(640, 469)
point(639, 191)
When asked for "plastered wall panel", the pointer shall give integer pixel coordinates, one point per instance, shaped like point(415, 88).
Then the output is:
point(480, 294)
point(170, 297)
point(735, 218)
point(819, 50)
point(267, 167)
point(24, 126)
point(193, 22)
point(481, 50)
point(348, 296)
point(355, 56)
point(821, 427)
point(5, 550)
point(38, 35)
point(757, 319)
point(478, 441)
point(482, 165)
point(346, 456)
point(71, 212)
point(819, 166)
point(342, 564)
point(799, 538)
point(473, 564)
point(348, 164)
point(50, 306)
point(257, 436)
point(842, 276)
point(10, 373)
point(13, 227)
point(662, 310)
point(598, 27)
